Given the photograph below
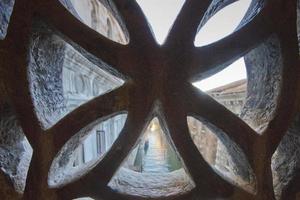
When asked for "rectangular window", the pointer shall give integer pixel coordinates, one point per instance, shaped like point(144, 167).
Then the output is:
point(101, 143)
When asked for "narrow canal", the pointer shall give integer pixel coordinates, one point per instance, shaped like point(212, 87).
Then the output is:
point(156, 153)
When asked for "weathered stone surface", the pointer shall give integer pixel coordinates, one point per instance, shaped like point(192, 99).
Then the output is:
point(222, 154)
point(264, 65)
point(7, 191)
point(15, 151)
point(264, 68)
point(68, 4)
point(50, 54)
point(254, 8)
point(231, 161)
point(205, 140)
point(152, 185)
point(6, 7)
point(64, 169)
point(45, 75)
point(286, 159)
point(215, 6)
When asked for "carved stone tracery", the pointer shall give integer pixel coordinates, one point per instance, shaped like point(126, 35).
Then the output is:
point(158, 85)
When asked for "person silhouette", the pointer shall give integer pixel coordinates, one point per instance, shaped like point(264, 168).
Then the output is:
point(146, 146)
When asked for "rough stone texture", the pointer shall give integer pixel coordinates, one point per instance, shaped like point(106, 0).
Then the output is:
point(231, 162)
point(260, 105)
point(286, 159)
point(15, 151)
point(69, 6)
point(63, 170)
point(81, 81)
point(215, 6)
point(263, 69)
point(7, 191)
point(151, 185)
point(222, 154)
point(205, 140)
point(45, 75)
point(234, 167)
point(265, 61)
point(48, 58)
point(227, 159)
point(264, 65)
point(254, 8)
point(6, 7)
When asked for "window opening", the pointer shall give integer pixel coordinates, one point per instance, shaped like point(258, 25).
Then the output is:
point(6, 8)
point(153, 168)
point(109, 29)
point(74, 79)
point(84, 149)
point(94, 14)
point(223, 23)
point(222, 154)
point(160, 20)
point(94, 141)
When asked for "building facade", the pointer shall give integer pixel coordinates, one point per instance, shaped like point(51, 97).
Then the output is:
point(83, 80)
point(232, 96)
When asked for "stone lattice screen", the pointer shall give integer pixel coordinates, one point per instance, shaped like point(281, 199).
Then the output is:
point(157, 84)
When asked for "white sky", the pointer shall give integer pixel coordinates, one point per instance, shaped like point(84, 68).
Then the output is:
point(161, 15)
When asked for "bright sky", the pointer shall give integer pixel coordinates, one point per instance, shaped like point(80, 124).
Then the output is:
point(161, 15)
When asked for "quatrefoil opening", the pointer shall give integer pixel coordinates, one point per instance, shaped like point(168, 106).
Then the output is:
point(156, 74)
point(171, 61)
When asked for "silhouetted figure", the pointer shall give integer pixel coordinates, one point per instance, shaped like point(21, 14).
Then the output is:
point(146, 146)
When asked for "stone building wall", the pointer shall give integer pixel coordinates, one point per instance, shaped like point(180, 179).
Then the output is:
point(60, 79)
point(15, 150)
point(205, 140)
point(83, 80)
point(6, 7)
point(286, 159)
point(232, 96)
point(98, 17)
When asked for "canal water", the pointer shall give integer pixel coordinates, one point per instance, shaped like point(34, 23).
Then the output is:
point(159, 157)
